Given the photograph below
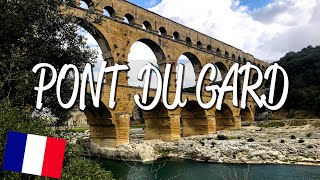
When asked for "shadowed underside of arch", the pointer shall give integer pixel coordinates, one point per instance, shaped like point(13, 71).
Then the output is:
point(246, 115)
point(195, 63)
point(222, 69)
point(102, 128)
point(225, 119)
point(160, 125)
point(156, 49)
point(194, 120)
point(101, 40)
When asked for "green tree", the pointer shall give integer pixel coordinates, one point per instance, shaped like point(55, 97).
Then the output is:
point(35, 32)
point(303, 69)
point(75, 167)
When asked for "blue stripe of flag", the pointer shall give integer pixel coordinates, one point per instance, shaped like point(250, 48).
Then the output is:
point(14, 154)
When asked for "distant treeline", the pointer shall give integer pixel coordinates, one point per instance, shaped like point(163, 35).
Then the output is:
point(303, 69)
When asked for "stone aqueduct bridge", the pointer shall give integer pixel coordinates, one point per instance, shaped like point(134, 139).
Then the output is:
point(168, 40)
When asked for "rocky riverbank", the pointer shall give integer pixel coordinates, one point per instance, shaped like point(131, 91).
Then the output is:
point(282, 145)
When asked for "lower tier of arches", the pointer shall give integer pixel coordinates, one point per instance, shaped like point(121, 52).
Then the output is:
point(112, 128)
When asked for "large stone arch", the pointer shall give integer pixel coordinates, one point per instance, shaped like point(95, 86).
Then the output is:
point(129, 19)
point(98, 34)
point(196, 63)
point(223, 68)
point(156, 49)
point(101, 39)
point(194, 120)
point(102, 126)
point(149, 47)
point(192, 69)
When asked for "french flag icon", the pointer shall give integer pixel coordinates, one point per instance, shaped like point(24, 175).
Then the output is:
point(33, 154)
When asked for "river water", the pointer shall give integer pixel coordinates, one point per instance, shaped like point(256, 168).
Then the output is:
point(188, 169)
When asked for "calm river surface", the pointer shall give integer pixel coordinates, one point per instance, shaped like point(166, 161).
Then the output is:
point(188, 169)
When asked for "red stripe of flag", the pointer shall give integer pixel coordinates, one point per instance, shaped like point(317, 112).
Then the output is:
point(53, 158)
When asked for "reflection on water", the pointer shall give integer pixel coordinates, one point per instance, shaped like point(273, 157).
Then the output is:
point(187, 169)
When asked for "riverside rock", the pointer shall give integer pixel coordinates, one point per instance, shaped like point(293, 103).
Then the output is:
point(235, 150)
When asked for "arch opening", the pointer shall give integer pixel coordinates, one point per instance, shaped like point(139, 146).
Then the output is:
point(254, 78)
point(188, 41)
point(129, 19)
point(98, 43)
point(176, 36)
point(191, 64)
point(224, 118)
point(218, 52)
point(162, 31)
point(98, 116)
point(226, 55)
point(142, 52)
point(222, 71)
point(146, 25)
point(233, 57)
point(199, 44)
point(137, 125)
point(86, 4)
point(209, 48)
point(109, 12)
point(239, 59)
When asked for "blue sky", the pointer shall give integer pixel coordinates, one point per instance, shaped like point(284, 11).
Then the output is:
point(252, 4)
point(145, 3)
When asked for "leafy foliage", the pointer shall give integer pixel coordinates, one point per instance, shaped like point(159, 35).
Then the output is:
point(222, 137)
point(79, 168)
point(303, 69)
point(75, 167)
point(34, 32)
point(272, 124)
point(12, 119)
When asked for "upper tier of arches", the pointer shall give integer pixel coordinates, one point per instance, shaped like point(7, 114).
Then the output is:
point(138, 17)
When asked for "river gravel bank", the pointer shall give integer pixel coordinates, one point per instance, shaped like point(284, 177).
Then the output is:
point(252, 145)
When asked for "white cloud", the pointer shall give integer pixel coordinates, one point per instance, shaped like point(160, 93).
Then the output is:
point(189, 78)
point(152, 3)
point(140, 55)
point(267, 33)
